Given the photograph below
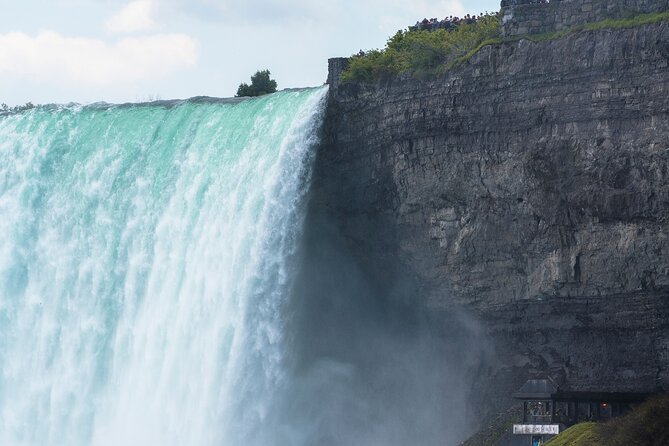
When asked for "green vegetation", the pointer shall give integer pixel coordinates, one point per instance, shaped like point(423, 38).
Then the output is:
point(430, 53)
point(422, 52)
point(261, 84)
point(579, 435)
point(628, 22)
point(645, 425)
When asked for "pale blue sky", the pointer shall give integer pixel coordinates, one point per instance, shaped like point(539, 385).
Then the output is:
point(128, 50)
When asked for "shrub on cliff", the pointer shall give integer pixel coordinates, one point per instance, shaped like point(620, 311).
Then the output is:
point(261, 84)
point(421, 52)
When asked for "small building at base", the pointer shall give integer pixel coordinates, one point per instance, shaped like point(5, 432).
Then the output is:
point(548, 410)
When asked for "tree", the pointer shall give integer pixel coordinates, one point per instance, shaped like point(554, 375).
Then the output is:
point(261, 84)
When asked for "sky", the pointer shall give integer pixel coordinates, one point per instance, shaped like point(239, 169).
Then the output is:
point(62, 51)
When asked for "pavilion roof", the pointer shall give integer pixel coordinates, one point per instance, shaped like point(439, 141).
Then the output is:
point(537, 389)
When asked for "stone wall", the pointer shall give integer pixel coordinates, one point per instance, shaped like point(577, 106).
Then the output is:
point(521, 17)
point(530, 187)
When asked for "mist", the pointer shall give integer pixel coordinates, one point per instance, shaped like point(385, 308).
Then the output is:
point(370, 365)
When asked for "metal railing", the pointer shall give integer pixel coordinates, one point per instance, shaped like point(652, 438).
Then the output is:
point(538, 419)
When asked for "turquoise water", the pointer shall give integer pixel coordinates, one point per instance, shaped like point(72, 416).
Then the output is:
point(144, 261)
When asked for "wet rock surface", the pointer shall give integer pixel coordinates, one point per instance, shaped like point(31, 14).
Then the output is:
point(529, 187)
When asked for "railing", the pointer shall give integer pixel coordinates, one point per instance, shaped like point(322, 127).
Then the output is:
point(538, 419)
point(506, 3)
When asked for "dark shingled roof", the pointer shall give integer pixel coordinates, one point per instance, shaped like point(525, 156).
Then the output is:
point(537, 389)
point(547, 389)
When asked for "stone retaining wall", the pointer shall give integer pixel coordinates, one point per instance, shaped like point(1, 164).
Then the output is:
point(521, 17)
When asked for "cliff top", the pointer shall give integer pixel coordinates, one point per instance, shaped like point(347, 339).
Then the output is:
point(425, 52)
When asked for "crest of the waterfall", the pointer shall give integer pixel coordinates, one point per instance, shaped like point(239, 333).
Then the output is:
point(145, 259)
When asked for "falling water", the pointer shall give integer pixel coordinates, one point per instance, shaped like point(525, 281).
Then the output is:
point(145, 259)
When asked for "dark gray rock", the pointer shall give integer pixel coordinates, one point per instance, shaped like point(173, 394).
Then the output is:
point(521, 17)
point(528, 187)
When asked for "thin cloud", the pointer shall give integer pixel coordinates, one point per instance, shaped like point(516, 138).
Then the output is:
point(50, 57)
point(135, 16)
point(437, 8)
point(277, 12)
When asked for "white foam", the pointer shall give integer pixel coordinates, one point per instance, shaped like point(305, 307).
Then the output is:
point(143, 268)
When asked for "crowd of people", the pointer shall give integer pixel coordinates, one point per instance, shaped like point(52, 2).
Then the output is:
point(506, 3)
point(452, 22)
point(448, 23)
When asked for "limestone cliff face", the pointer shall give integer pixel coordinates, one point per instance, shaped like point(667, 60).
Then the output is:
point(530, 187)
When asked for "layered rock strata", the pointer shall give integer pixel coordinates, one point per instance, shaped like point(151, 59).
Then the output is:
point(529, 187)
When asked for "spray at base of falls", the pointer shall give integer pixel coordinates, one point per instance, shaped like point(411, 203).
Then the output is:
point(145, 259)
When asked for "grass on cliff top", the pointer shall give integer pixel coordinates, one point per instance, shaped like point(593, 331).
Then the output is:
point(647, 424)
point(425, 53)
point(421, 52)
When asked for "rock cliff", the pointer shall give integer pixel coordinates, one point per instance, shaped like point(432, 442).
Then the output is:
point(521, 17)
point(528, 187)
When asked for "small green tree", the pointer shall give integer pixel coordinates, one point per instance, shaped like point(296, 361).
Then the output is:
point(261, 84)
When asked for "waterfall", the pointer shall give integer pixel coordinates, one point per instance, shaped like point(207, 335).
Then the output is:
point(145, 264)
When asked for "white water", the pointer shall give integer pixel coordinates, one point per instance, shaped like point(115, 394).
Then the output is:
point(144, 264)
